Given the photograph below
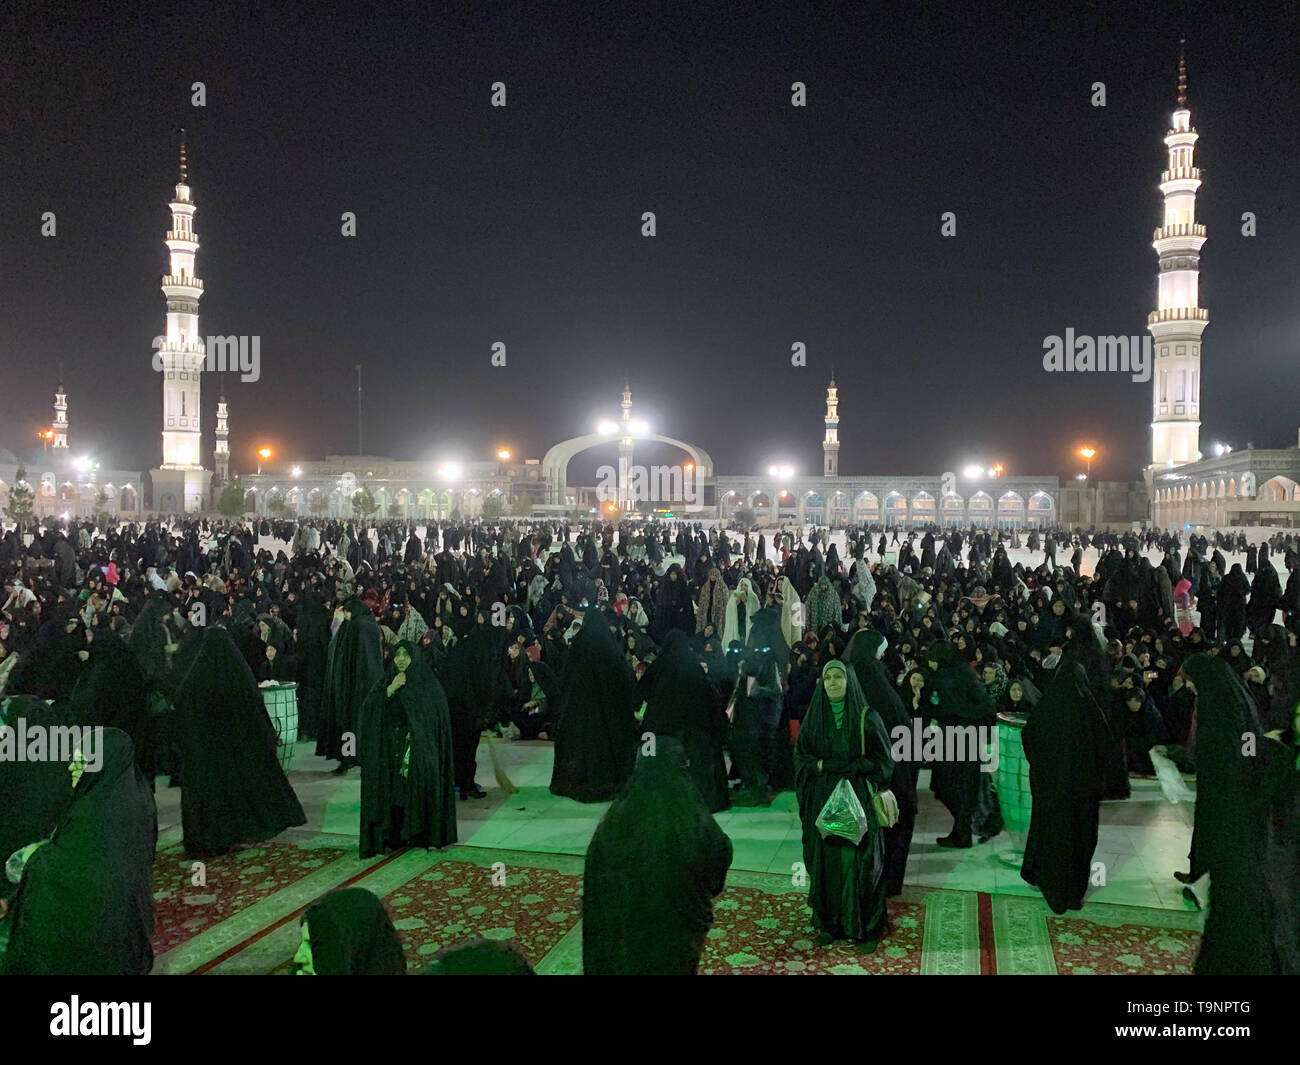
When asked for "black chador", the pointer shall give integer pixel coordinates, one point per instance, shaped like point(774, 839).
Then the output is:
point(234, 790)
point(1245, 828)
point(681, 703)
point(595, 730)
point(654, 866)
point(843, 738)
point(1067, 742)
point(85, 904)
point(353, 664)
point(862, 654)
point(408, 792)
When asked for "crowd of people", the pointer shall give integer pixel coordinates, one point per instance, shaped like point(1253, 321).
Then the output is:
point(679, 669)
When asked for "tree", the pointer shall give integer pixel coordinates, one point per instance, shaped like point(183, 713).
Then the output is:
point(276, 504)
point(103, 519)
point(22, 500)
point(363, 502)
point(522, 507)
point(231, 503)
point(492, 508)
point(745, 516)
point(316, 502)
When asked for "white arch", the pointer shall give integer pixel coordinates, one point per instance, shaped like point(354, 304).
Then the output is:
point(555, 463)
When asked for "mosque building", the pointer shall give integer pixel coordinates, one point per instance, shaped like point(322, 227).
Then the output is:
point(65, 482)
point(1181, 487)
point(1250, 486)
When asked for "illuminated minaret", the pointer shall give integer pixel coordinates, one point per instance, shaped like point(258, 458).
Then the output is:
point(221, 453)
point(626, 501)
point(831, 445)
point(181, 484)
point(60, 425)
point(1178, 321)
point(181, 352)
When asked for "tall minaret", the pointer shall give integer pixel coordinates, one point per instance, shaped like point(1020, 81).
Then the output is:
point(1178, 321)
point(181, 353)
point(831, 445)
point(60, 425)
point(221, 453)
point(626, 501)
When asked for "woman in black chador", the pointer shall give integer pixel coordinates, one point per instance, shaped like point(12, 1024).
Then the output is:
point(408, 791)
point(842, 738)
point(655, 863)
point(1245, 835)
point(595, 730)
point(680, 702)
point(864, 653)
point(85, 903)
point(1067, 740)
point(234, 789)
point(353, 664)
point(349, 933)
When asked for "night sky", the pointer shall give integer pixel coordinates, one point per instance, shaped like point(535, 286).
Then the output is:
point(522, 224)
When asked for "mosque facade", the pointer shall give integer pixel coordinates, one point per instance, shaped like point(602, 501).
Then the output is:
point(1187, 489)
point(1181, 488)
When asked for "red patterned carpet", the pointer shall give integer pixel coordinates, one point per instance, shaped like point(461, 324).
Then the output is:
point(234, 882)
point(758, 933)
point(761, 926)
point(1084, 948)
point(457, 901)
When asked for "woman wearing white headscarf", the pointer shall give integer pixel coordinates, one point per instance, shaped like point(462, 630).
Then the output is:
point(864, 585)
point(791, 613)
point(735, 626)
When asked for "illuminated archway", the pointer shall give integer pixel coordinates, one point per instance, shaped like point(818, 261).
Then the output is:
point(555, 463)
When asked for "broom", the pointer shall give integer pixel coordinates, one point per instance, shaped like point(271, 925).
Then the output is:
point(498, 771)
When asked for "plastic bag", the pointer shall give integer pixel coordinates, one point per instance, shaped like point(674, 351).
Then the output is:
point(1171, 781)
point(885, 806)
point(843, 815)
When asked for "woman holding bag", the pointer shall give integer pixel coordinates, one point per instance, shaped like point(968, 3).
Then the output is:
point(843, 739)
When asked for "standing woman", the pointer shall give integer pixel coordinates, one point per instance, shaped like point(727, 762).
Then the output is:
point(841, 738)
point(408, 789)
point(234, 791)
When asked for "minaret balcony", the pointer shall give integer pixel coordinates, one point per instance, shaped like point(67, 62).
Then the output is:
point(181, 285)
point(1181, 230)
point(1181, 173)
point(1179, 314)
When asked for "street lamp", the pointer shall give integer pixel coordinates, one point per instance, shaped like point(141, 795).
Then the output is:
point(296, 471)
point(263, 453)
point(503, 454)
point(1087, 453)
point(973, 472)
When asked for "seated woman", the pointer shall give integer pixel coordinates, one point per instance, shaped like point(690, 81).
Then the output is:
point(842, 738)
point(349, 933)
point(85, 900)
point(408, 795)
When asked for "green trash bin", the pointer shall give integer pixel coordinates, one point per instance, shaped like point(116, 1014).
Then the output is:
point(1013, 777)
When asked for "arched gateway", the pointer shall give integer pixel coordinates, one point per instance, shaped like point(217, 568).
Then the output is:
point(555, 464)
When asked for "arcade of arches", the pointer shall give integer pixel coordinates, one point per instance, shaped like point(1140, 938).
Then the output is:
point(1001, 507)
